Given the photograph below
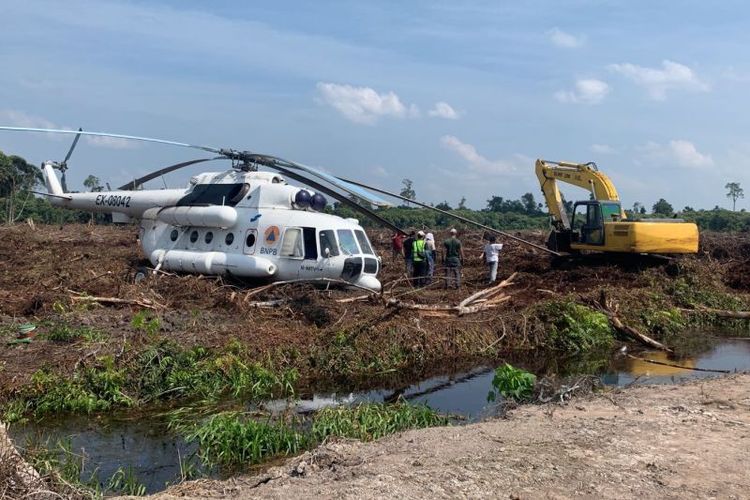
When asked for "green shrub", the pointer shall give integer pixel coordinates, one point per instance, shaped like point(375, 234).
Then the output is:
point(576, 328)
point(512, 383)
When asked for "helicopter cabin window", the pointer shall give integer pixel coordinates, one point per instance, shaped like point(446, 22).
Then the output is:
point(363, 243)
point(229, 239)
point(347, 242)
point(311, 246)
point(193, 236)
point(328, 241)
point(215, 194)
point(291, 245)
point(173, 235)
point(209, 237)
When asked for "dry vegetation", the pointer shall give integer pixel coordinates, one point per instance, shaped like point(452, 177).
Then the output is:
point(50, 274)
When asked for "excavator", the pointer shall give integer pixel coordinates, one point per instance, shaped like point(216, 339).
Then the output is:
point(600, 224)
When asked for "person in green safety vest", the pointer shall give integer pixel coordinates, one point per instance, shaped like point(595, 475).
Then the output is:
point(419, 257)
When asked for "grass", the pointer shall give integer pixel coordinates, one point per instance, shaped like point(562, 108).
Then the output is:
point(231, 439)
point(66, 473)
point(161, 373)
point(369, 421)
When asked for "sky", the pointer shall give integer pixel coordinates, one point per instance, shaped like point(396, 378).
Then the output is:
point(460, 97)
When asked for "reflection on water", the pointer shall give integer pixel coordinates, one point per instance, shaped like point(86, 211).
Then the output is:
point(154, 455)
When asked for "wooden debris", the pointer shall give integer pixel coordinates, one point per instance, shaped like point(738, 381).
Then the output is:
point(482, 300)
point(610, 310)
point(148, 304)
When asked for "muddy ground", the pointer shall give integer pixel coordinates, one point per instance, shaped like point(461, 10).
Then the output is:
point(45, 269)
point(682, 441)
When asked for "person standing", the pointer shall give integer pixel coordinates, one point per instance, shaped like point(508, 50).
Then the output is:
point(431, 251)
point(408, 249)
point(454, 257)
point(397, 245)
point(419, 257)
point(491, 256)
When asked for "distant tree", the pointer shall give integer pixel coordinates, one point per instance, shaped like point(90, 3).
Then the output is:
point(17, 178)
point(462, 203)
point(93, 184)
point(643, 210)
point(529, 203)
point(443, 206)
point(637, 207)
point(688, 208)
point(495, 204)
point(408, 190)
point(734, 192)
point(662, 207)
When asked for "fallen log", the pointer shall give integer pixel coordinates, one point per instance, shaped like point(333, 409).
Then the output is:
point(487, 292)
point(115, 300)
point(723, 313)
point(610, 311)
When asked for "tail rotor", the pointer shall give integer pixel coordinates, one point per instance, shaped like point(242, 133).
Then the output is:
point(63, 165)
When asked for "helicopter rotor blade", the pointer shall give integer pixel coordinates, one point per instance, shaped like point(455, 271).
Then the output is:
point(117, 136)
point(158, 173)
point(449, 214)
point(72, 147)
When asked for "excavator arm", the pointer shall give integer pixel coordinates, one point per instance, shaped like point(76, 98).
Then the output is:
point(583, 175)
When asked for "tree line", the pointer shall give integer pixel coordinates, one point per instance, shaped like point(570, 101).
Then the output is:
point(19, 178)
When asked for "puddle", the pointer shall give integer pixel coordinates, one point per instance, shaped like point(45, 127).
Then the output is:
point(153, 454)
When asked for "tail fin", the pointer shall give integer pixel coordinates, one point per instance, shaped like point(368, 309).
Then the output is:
point(51, 180)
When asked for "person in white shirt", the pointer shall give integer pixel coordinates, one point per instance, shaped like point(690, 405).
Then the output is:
point(491, 257)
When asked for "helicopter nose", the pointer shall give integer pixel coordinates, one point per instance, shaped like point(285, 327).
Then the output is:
point(368, 281)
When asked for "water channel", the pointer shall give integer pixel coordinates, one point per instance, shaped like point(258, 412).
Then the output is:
point(143, 445)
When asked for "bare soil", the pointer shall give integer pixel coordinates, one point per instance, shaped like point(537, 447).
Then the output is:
point(677, 441)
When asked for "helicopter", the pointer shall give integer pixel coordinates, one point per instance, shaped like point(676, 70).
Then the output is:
point(242, 222)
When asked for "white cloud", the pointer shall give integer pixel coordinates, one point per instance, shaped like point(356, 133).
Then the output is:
point(364, 105)
point(20, 119)
point(603, 149)
point(679, 151)
point(444, 110)
point(477, 163)
point(657, 81)
point(587, 91)
point(110, 142)
point(380, 171)
point(565, 40)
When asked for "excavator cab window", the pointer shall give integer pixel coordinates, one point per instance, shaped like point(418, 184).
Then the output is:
point(588, 222)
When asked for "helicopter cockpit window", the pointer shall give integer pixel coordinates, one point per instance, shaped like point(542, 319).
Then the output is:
point(291, 245)
point(328, 240)
point(347, 242)
point(363, 243)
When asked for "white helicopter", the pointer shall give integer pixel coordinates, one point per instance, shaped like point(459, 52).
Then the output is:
point(241, 222)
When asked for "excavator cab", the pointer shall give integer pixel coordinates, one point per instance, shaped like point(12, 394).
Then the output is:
point(589, 218)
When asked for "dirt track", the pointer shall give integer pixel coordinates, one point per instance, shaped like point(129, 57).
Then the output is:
point(685, 441)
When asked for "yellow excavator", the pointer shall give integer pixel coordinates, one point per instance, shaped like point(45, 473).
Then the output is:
point(600, 224)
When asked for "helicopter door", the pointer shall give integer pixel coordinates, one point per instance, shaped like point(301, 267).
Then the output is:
point(311, 267)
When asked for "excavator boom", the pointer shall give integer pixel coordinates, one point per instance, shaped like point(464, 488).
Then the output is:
point(583, 175)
